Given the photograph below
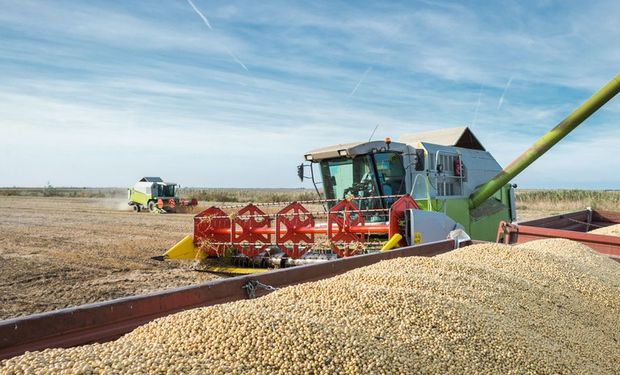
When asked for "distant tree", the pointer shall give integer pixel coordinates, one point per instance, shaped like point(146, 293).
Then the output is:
point(49, 190)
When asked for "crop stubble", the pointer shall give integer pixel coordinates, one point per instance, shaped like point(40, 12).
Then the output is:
point(61, 252)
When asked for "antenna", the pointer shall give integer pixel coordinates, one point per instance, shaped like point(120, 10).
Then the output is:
point(373, 133)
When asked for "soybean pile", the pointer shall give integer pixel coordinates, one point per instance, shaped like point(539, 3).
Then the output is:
point(549, 306)
point(612, 230)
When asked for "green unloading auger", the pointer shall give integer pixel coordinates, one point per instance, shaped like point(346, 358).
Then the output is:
point(545, 142)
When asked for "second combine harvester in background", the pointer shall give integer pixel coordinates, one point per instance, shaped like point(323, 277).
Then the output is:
point(426, 187)
point(155, 195)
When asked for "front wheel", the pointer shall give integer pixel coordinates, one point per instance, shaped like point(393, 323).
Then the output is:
point(152, 206)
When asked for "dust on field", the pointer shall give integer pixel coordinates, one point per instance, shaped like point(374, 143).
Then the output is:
point(60, 252)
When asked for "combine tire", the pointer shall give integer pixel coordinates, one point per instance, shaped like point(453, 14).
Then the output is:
point(152, 206)
point(136, 208)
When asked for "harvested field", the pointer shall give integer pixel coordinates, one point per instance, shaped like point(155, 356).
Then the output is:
point(549, 306)
point(59, 252)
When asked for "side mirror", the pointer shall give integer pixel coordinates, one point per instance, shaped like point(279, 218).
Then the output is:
point(300, 172)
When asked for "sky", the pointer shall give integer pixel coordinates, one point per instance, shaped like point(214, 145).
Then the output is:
point(233, 93)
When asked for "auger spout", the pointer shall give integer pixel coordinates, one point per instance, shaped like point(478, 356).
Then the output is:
point(545, 142)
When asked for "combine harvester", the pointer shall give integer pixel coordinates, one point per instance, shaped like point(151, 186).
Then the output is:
point(426, 187)
point(157, 196)
point(427, 194)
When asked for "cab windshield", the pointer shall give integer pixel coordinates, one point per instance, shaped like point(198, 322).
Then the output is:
point(370, 175)
point(166, 190)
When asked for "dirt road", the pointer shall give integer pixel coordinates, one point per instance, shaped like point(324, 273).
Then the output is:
point(60, 252)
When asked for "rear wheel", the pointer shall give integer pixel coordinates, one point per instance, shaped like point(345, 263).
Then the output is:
point(136, 208)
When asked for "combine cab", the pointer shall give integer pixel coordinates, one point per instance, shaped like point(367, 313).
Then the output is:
point(155, 195)
point(438, 169)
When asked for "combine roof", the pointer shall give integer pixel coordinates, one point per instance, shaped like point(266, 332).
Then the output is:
point(332, 151)
point(457, 137)
point(151, 179)
point(348, 149)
